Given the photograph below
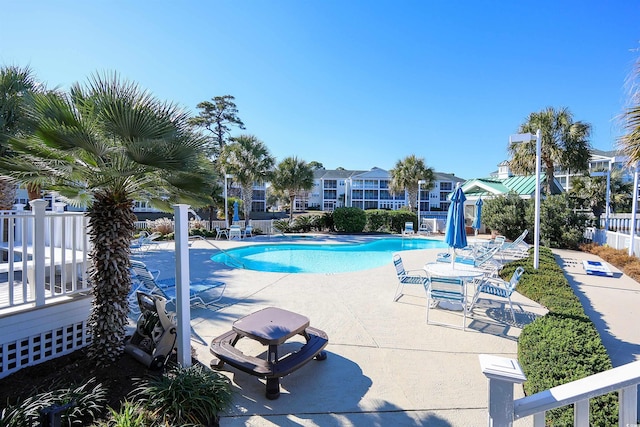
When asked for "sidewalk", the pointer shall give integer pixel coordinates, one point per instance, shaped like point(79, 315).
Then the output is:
point(610, 302)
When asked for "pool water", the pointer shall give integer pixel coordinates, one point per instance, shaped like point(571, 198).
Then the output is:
point(321, 258)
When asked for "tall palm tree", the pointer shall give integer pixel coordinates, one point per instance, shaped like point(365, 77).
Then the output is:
point(630, 141)
point(16, 87)
point(249, 160)
point(103, 145)
point(293, 175)
point(406, 174)
point(565, 143)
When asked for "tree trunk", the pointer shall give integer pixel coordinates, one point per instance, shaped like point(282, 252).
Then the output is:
point(247, 201)
point(7, 193)
point(292, 202)
point(111, 227)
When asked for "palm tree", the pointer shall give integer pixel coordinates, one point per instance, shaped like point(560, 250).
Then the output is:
point(104, 145)
point(248, 159)
point(406, 174)
point(630, 141)
point(565, 143)
point(293, 175)
point(16, 87)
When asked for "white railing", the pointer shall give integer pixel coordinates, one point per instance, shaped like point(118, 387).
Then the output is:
point(264, 225)
point(620, 222)
point(503, 409)
point(44, 256)
point(613, 239)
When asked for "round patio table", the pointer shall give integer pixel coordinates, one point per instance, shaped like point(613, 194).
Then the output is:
point(446, 269)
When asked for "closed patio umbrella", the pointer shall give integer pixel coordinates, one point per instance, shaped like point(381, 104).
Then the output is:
point(455, 234)
point(477, 224)
point(236, 217)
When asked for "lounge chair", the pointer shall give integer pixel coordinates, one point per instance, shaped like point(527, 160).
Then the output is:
point(482, 257)
point(221, 232)
point(516, 249)
point(447, 290)
point(248, 231)
point(499, 287)
point(144, 242)
point(425, 227)
point(203, 294)
point(408, 229)
point(411, 277)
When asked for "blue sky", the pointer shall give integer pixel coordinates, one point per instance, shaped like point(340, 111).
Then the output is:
point(355, 84)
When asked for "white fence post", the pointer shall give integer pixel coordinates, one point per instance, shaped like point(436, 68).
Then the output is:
point(38, 206)
point(183, 308)
point(502, 373)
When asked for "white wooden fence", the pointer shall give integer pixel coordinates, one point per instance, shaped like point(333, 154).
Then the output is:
point(503, 409)
point(44, 294)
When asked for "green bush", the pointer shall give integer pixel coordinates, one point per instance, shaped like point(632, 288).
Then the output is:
point(349, 220)
point(86, 402)
point(505, 215)
point(378, 220)
point(399, 217)
point(193, 395)
point(560, 225)
point(562, 346)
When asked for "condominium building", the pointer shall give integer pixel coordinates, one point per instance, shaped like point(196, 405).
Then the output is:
point(371, 190)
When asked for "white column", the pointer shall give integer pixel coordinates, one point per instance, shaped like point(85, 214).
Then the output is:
point(183, 307)
point(536, 236)
point(502, 373)
point(634, 209)
point(38, 206)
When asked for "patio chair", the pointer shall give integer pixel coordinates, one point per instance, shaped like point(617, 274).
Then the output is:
point(221, 232)
point(411, 277)
point(144, 242)
point(408, 229)
point(248, 231)
point(203, 294)
point(447, 290)
point(484, 258)
point(425, 227)
point(235, 232)
point(499, 287)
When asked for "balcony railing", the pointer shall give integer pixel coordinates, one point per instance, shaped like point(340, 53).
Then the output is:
point(44, 256)
point(504, 410)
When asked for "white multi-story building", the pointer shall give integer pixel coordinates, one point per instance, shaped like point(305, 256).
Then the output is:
point(370, 190)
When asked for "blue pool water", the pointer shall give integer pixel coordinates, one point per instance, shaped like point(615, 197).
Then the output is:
point(321, 258)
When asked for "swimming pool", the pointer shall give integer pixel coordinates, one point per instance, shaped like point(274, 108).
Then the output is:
point(321, 258)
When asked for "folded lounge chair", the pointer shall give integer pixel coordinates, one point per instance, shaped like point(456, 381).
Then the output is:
point(202, 294)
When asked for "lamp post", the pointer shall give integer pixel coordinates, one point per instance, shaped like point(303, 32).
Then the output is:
point(526, 137)
point(608, 194)
point(634, 210)
point(226, 210)
point(420, 182)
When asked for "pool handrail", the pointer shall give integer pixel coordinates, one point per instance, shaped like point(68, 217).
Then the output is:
point(231, 257)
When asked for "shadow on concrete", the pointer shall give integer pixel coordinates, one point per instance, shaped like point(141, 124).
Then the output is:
point(343, 386)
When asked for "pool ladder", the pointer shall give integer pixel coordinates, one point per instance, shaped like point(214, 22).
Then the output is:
point(231, 257)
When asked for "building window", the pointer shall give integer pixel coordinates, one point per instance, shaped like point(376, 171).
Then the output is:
point(330, 194)
point(446, 186)
point(357, 194)
point(330, 183)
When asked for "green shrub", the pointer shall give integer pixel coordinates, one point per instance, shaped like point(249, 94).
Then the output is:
point(378, 220)
point(130, 415)
point(506, 215)
point(282, 226)
point(86, 403)
point(560, 225)
point(193, 395)
point(562, 346)
point(326, 222)
point(349, 220)
point(399, 217)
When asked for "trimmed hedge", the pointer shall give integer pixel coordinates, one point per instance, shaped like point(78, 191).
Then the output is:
point(349, 220)
point(562, 346)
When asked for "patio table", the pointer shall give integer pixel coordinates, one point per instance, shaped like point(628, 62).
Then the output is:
point(272, 327)
point(445, 269)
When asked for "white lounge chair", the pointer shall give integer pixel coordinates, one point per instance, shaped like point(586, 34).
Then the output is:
point(203, 294)
point(410, 277)
point(248, 231)
point(447, 290)
point(425, 227)
point(408, 229)
point(516, 249)
point(499, 287)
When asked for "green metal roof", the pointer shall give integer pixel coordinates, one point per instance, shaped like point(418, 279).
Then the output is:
point(521, 185)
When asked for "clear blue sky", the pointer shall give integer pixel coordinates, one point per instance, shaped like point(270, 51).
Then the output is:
point(355, 84)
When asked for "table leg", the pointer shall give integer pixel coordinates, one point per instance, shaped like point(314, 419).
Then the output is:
point(273, 384)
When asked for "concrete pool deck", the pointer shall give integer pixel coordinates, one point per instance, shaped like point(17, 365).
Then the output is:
point(385, 365)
